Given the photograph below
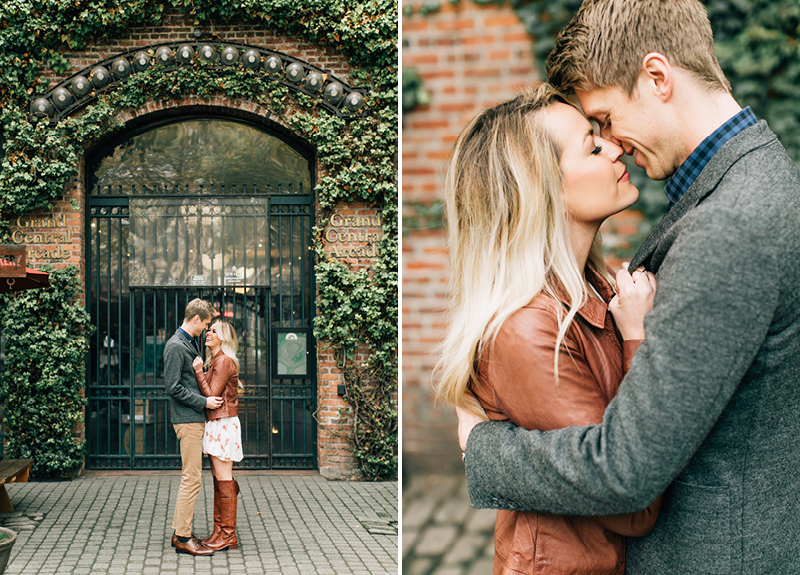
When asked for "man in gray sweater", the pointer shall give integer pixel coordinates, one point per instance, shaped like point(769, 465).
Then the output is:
point(188, 416)
point(709, 412)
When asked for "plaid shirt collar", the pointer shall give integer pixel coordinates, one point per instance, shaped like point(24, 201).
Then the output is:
point(699, 158)
point(189, 339)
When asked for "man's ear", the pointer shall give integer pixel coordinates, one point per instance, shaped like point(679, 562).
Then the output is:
point(657, 72)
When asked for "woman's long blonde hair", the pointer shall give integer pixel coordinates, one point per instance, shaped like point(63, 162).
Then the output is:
point(230, 343)
point(508, 234)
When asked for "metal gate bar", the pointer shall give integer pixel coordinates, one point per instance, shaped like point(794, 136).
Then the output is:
point(128, 414)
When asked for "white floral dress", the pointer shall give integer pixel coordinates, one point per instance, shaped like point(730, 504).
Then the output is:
point(223, 439)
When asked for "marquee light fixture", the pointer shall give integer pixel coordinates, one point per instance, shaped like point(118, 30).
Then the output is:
point(83, 87)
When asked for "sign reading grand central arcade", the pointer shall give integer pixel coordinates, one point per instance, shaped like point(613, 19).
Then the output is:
point(42, 233)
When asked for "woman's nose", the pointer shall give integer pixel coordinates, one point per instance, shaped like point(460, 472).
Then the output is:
point(613, 149)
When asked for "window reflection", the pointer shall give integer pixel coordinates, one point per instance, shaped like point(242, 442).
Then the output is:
point(198, 241)
point(198, 153)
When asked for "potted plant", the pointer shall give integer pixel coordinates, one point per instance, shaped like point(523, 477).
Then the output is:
point(7, 540)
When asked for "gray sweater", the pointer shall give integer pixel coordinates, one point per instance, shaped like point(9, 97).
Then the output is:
point(710, 409)
point(187, 404)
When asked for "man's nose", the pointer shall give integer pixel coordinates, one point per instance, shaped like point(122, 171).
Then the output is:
point(607, 135)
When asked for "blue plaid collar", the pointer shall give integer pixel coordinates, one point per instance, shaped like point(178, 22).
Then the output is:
point(189, 339)
point(699, 158)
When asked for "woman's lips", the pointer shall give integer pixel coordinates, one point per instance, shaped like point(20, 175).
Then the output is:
point(625, 177)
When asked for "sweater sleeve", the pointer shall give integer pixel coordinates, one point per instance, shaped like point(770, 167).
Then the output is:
point(521, 372)
point(711, 313)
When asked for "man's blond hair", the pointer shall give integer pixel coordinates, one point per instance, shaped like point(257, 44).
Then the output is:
point(605, 42)
point(199, 307)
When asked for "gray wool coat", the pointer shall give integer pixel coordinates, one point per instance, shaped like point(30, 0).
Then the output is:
point(186, 403)
point(710, 410)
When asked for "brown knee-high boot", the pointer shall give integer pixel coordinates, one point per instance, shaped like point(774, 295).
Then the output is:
point(225, 538)
point(217, 515)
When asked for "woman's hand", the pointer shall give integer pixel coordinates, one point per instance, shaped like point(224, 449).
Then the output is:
point(197, 364)
point(635, 293)
point(467, 419)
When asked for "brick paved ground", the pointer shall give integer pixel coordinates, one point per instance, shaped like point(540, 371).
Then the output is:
point(442, 534)
point(298, 525)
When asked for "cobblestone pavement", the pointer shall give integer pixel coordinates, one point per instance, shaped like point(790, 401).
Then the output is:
point(442, 534)
point(287, 524)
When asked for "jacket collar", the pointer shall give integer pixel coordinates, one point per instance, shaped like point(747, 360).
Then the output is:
point(592, 310)
point(706, 182)
point(179, 334)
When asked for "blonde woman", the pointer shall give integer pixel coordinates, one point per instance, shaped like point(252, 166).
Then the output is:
point(222, 440)
point(531, 333)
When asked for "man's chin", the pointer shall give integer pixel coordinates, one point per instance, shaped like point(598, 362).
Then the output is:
point(655, 172)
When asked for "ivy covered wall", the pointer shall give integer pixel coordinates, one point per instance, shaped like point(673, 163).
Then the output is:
point(356, 159)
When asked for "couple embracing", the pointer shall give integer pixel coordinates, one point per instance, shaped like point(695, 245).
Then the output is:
point(636, 426)
point(204, 412)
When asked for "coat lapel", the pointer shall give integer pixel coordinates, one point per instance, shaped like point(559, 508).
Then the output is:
point(738, 146)
point(188, 345)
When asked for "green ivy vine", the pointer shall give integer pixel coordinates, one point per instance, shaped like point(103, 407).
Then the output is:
point(356, 159)
point(46, 334)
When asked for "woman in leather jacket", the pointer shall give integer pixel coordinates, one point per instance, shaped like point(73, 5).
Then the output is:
point(222, 440)
point(540, 333)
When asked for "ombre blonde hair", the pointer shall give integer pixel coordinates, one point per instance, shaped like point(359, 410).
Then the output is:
point(229, 343)
point(508, 234)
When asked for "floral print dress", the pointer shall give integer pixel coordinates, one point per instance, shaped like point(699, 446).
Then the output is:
point(223, 439)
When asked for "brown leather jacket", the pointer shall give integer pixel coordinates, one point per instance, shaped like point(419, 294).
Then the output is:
point(220, 379)
point(517, 383)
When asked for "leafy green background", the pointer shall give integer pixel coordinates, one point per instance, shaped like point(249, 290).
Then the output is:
point(757, 46)
point(46, 340)
point(356, 164)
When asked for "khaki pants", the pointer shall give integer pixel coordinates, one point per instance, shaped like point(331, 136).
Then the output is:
point(190, 436)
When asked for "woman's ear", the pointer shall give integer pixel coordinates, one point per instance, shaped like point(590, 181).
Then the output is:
point(657, 73)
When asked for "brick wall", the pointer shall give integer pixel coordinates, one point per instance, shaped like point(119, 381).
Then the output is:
point(177, 27)
point(469, 57)
point(352, 233)
point(334, 452)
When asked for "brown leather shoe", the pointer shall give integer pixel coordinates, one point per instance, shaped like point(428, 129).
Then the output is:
point(192, 547)
point(175, 538)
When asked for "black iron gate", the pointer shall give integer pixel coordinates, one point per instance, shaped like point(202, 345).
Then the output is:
point(144, 253)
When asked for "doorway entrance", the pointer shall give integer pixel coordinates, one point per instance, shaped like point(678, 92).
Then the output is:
point(208, 208)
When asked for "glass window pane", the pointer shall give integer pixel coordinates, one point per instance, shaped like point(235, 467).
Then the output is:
point(205, 152)
point(197, 241)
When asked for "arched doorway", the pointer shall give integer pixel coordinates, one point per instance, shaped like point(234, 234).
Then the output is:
point(203, 207)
